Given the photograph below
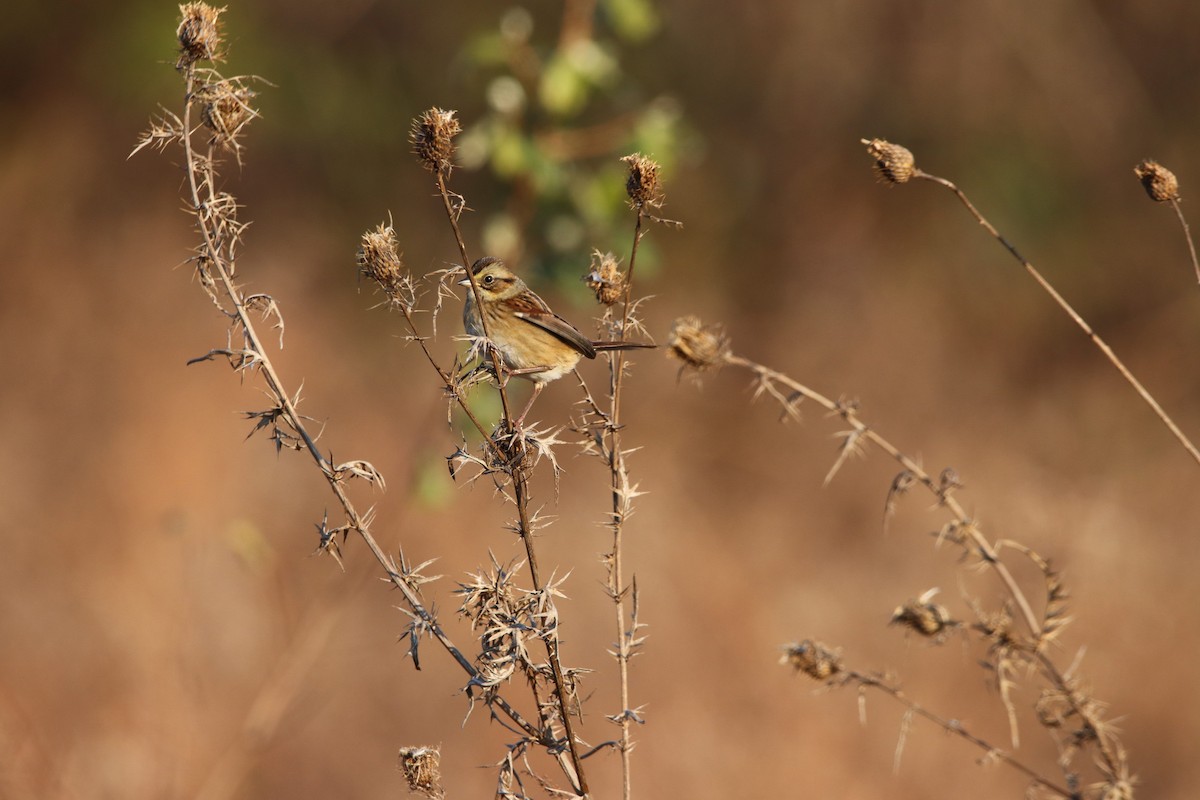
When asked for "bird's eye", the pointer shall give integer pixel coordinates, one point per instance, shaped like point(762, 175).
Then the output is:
point(489, 280)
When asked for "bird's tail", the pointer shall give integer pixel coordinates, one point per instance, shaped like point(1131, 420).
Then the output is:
point(623, 346)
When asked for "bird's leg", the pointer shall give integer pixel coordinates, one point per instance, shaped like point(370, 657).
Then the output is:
point(537, 389)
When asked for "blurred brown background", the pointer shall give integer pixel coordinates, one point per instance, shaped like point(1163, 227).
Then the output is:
point(162, 624)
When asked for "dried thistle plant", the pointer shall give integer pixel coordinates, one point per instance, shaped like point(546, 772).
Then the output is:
point(925, 617)
point(642, 184)
point(893, 163)
point(421, 767)
point(432, 140)
point(199, 34)
point(1019, 642)
point(700, 347)
point(1160, 183)
point(226, 109)
point(600, 431)
point(1162, 186)
point(379, 260)
point(605, 279)
point(223, 107)
point(896, 163)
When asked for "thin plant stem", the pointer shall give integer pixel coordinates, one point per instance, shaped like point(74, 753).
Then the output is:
point(954, 726)
point(1066, 307)
point(985, 548)
point(520, 476)
point(1187, 234)
point(620, 490)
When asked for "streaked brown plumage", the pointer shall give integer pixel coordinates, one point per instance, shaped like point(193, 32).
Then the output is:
point(534, 342)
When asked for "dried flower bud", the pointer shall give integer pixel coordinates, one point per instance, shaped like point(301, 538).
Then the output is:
point(924, 616)
point(813, 659)
point(432, 139)
point(642, 184)
point(892, 162)
point(1160, 183)
point(605, 278)
point(697, 345)
point(379, 259)
point(225, 109)
point(199, 34)
point(422, 769)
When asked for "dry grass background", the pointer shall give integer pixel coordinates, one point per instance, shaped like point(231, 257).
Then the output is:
point(158, 609)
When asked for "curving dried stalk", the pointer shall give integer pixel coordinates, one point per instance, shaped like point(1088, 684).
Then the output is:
point(896, 164)
point(1065, 708)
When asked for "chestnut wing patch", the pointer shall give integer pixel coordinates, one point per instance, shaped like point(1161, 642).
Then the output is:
point(531, 308)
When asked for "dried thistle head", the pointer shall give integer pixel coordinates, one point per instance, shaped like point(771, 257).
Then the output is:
point(697, 345)
point(199, 34)
point(225, 109)
point(422, 769)
point(813, 659)
point(379, 259)
point(1159, 182)
point(893, 162)
point(605, 278)
point(996, 627)
point(642, 185)
point(432, 139)
point(924, 616)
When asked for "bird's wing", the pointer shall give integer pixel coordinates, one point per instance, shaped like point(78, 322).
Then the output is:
point(531, 308)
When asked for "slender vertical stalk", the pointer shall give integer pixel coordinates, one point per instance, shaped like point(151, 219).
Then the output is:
point(1187, 234)
point(619, 495)
point(520, 476)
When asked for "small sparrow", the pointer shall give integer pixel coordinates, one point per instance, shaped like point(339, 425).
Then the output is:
point(534, 342)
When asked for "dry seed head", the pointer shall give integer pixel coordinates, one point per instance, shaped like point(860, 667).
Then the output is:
point(199, 34)
point(813, 659)
point(379, 259)
point(432, 139)
point(892, 162)
point(697, 345)
point(1160, 183)
point(605, 278)
point(225, 109)
point(924, 616)
point(422, 769)
point(642, 185)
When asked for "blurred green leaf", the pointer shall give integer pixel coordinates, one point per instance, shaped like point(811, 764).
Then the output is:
point(562, 90)
point(510, 152)
point(432, 484)
point(633, 20)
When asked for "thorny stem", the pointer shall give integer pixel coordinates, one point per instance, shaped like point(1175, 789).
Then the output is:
point(1187, 234)
point(520, 477)
point(1066, 307)
point(985, 549)
point(619, 485)
point(955, 727)
point(295, 421)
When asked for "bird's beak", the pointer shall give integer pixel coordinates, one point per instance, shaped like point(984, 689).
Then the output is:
point(465, 282)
